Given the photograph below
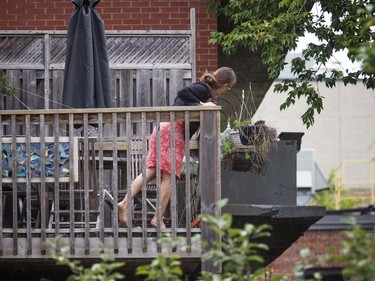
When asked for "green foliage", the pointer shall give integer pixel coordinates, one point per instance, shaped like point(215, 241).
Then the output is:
point(228, 148)
point(103, 271)
point(237, 123)
point(307, 261)
point(237, 251)
point(327, 197)
point(167, 265)
point(6, 88)
point(272, 28)
point(162, 268)
point(356, 253)
point(366, 51)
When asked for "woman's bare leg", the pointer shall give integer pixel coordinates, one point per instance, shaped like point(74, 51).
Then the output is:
point(135, 187)
point(165, 195)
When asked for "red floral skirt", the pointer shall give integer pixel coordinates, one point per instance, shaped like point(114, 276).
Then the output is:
point(165, 147)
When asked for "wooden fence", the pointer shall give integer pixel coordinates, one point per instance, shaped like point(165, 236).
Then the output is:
point(147, 68)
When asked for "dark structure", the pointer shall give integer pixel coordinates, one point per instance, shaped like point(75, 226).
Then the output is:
point(271, 199)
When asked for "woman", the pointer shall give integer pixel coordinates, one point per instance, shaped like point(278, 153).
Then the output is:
point(197, 94)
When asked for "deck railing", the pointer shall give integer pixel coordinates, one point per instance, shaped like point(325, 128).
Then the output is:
point(63, 172)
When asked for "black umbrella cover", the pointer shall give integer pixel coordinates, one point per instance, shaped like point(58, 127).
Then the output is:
point(86, 77)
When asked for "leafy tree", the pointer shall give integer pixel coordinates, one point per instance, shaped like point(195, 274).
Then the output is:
point(366, 52)
point(272, 28)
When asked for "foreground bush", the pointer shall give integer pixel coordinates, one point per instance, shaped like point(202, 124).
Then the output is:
point(237, 253)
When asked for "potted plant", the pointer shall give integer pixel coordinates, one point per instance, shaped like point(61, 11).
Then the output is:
point(246, 145)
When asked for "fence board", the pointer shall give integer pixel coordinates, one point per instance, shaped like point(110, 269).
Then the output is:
point(57, 89)
point(114, 88)
point(159, 84)
point(176, 83)
point(125, 88)
point(143, 88)
point(15, 79)
point(29, 88)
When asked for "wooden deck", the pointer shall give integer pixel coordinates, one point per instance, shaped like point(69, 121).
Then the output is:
point(97, 153)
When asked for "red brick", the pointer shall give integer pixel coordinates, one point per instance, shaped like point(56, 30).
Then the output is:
point(151, 22)
point(169, 10)
point(172, 22)
point(45, 17)
point(160, 27)
point(8, 17)
point(141, 16)
point(140, 4)
point(55, 23)
point(179, 15)
point(117, 22)
point(61, 27)
point(62, 17)
point(26, 6)
point(160, 16)
point(13, 23)
point(37, 24)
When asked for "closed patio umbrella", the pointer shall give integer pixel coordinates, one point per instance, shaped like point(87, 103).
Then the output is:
point(86, 76)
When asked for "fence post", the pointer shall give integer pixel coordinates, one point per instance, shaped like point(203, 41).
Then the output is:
point(209, 176)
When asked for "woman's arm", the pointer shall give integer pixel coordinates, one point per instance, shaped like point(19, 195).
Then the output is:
point(194, 94)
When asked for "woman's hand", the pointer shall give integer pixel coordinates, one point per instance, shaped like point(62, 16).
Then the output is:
point(207, 103)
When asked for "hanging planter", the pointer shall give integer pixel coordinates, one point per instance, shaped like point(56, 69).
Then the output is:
point(248, 133)
point(248, 145)
point(246, 161)
point(236, 139)
point(248, 150)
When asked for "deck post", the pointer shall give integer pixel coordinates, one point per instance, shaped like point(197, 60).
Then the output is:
point(209, 177)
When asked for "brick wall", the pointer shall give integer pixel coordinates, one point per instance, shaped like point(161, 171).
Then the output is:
point(316, 241)
point(118, 15)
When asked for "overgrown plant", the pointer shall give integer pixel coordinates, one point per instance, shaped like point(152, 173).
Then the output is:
point(253, 157)
point(247, 145)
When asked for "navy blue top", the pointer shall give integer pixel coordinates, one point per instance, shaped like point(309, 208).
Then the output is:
point(193, 95)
